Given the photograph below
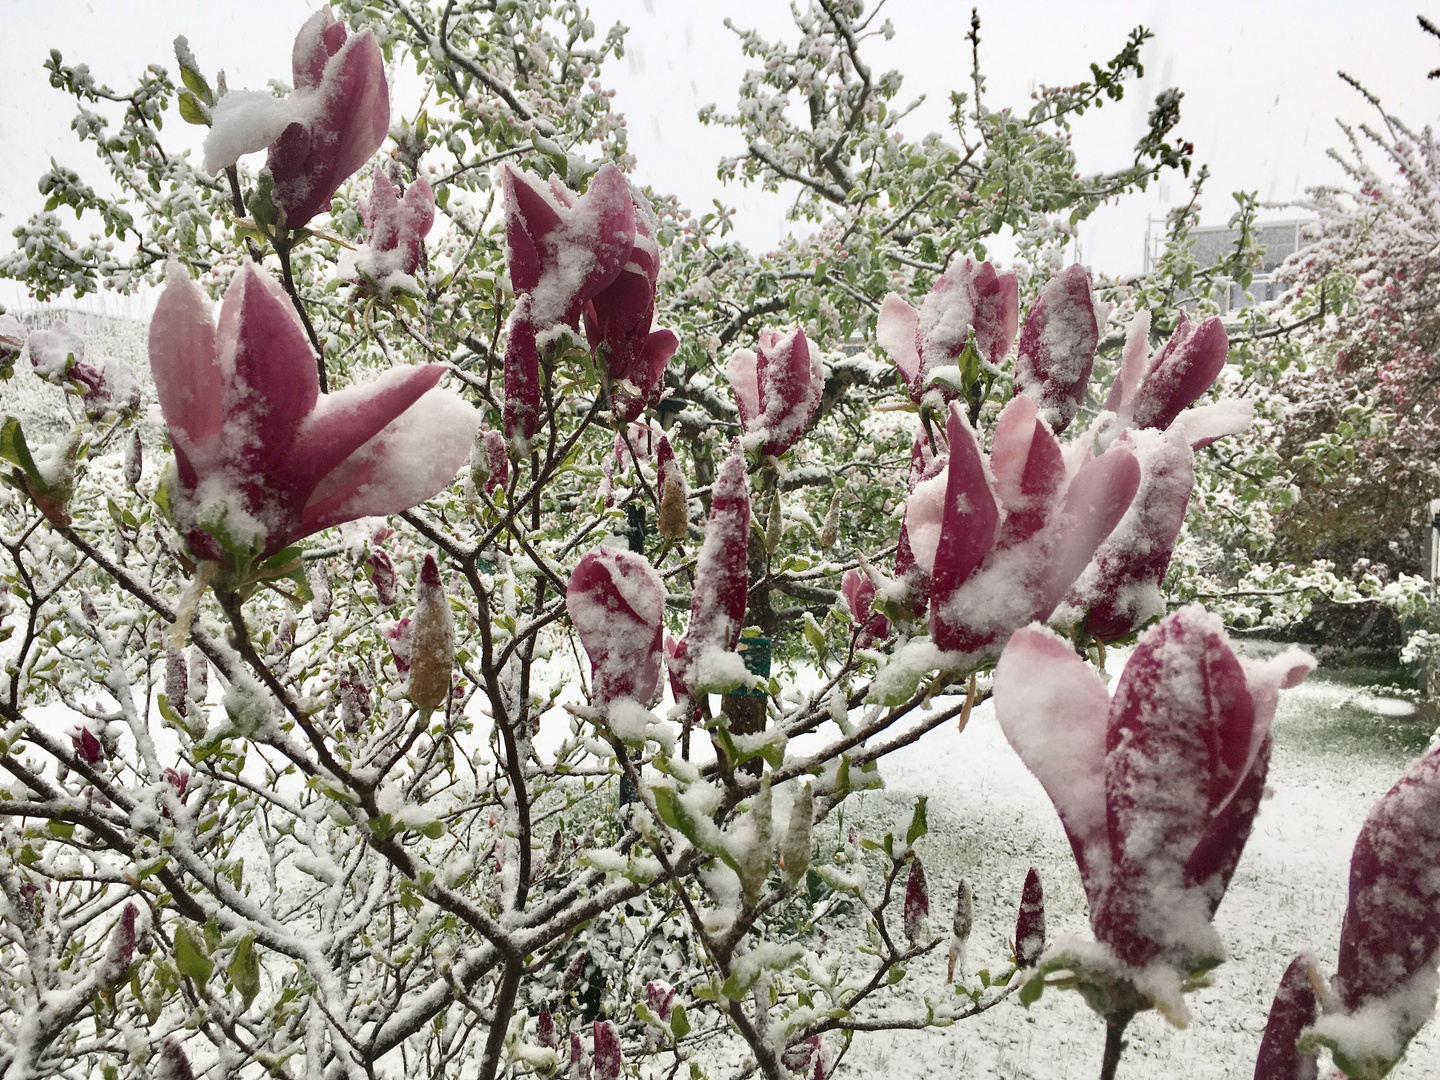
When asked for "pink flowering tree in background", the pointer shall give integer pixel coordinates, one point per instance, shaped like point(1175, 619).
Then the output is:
point(458, 651)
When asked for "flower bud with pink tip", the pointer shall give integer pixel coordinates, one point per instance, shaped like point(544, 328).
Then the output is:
point(616, 603)
point(1294, 1009)
point(859, 592)
point(395, 228)
point(609, 1063)
point(1157, 789)
point(722, 576)
point(917, 901)
point(119, 949)
point(432, 640)
point(1057, 346)
point(777, 389)
point(1151, 391)
point(969, 299)
point(1030, 923)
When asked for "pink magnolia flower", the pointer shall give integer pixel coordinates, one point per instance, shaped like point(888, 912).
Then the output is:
point(1057, 345)
point(608, 1063)
point(617, 325)
point(322, 133)
point(395, 228)
point(660, 997)
point(1157, 788)
point(776, 390)
point(262, 457)
point(87, 747)
point(1293, 1010)
point(1120, 590)
point(859, 592)
point(1004, 540)
point(1151, 391)
point(563, 249)
point(616, 602)
point(722, 574)
point(925, 464)
point(968, 298)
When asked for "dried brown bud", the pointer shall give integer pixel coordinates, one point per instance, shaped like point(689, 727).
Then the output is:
point(830, 532)
point(432, 640)
point(674, 519)
point(134, 459)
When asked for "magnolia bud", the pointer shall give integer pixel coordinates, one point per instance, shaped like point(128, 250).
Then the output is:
point(174, 1065)
point(134, 459)
point(579, 1060)
point(199, 677)
point(608, 1061)
point(479, 462)
point(575, 969)
point(120, 949)
point(178, 779)
point(320, 595)
point(354, 692)
point(1030, 926)
point(674, 519)
point(432, 640)
point(660, 997)
point(499, 474)
point(917, 901)
point(756, 859)
point(553, 858)
point(387, 587)
point(830, 532)
point(545, 1033)
point(177, 680)
point(87, 746)
point(960, 928)
point(795, 845)
point(774, 525)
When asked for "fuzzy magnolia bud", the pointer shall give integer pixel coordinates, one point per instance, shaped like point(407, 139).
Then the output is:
point(608, 1061)
point(545, 1033)
point(382, 573)
point(774, 525)
point(660, 997)
point(134, 459)
point(917, 901)
point(795, 845)
point(120, 949)
point(960, 928)
point(479, 462)
point(674, 519)
point(173, 1064)
point(1030, 926)
point(320, 595)
point(755, 863)
point(354, 692)
point(553, 857)
point(830, 531)
point(432, 640)
point(177, 680)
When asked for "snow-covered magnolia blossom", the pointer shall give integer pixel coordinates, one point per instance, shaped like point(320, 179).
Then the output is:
point(1030, 922)
point(1057, 345)
point(1151, 391)
point(395, 228)
point(1385, 976)
point(1120, 590)
point(322, 132)
point(722, 583)
point(1293, 1010)
point(562, 250)
point(858, 589)
point(1003, 539)
point(969, 298)
point(1157, 788)
point(777, 390)
point(616, 603)
point(618, 320)
point(262, 457)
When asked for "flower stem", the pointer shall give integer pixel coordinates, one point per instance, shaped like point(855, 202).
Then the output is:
point(1115, 1025)
point(283, 249)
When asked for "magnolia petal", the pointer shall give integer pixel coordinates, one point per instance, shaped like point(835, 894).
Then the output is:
point(722, 574)
point(320, 38)
point(1185, 368)
point(616, 602)
point(1057, 346)
point(1053, 709)
point(414, 456)
point(184, 363)
point(1134, 365)
point(521, 410)
point(741, 371)
point(789, 380)
point(1206, 423)
point(1293, 1010)
point(245, 122)
point(970, 516)
point(895, 327)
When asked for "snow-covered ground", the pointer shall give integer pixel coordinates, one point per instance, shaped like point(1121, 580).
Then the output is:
point(1337, 749)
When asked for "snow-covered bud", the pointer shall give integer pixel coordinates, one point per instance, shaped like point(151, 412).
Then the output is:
point(353, 689)
point(1057, 346)
point(774, 525)
point(432, 640)
point(545, 1033)
point(179, 780)
point(795, 844)
point(321, 596)
point(758, 852)
point(480, 461)
point(395, 227)
point(806, 1058)
point(969, 299)
point(830, 531)
point(55, 352)
point(674, 520)
point(12, 340)
point(960, 926)
point(575, 969)
point(608, 1061)
point(87, 747)
point(173, 1064)
point(616, 602)
point(917, 901)
point(382, 575)
point(397, 635)
point(119, 949)
point(859, 592)
point(1030, 925)
point(177, 680)
point(1293, 1010)
point(722, 573)
point(134, 459)
point(777, 390)
point(579, 1059)
point(198, 670)
point(1150, 392)
point(660, 997)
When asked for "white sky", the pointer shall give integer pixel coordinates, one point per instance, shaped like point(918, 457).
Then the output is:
point(1261, 93)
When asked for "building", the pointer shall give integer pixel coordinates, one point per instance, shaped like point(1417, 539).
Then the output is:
point(1279, 239)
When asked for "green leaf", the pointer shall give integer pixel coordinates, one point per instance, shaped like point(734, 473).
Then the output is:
point(192, 109)
point(14, 449)
point(1031, 991)
point(918, 826)
point(190, 957)
point(61, 830)
point(197, 84)
point(433, 830)
point(679, 1024)
point(244, 969)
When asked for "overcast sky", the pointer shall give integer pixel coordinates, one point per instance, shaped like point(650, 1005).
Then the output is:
point(1261, 92)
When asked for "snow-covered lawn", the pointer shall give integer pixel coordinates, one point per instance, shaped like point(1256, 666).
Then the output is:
point(1337, 749)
